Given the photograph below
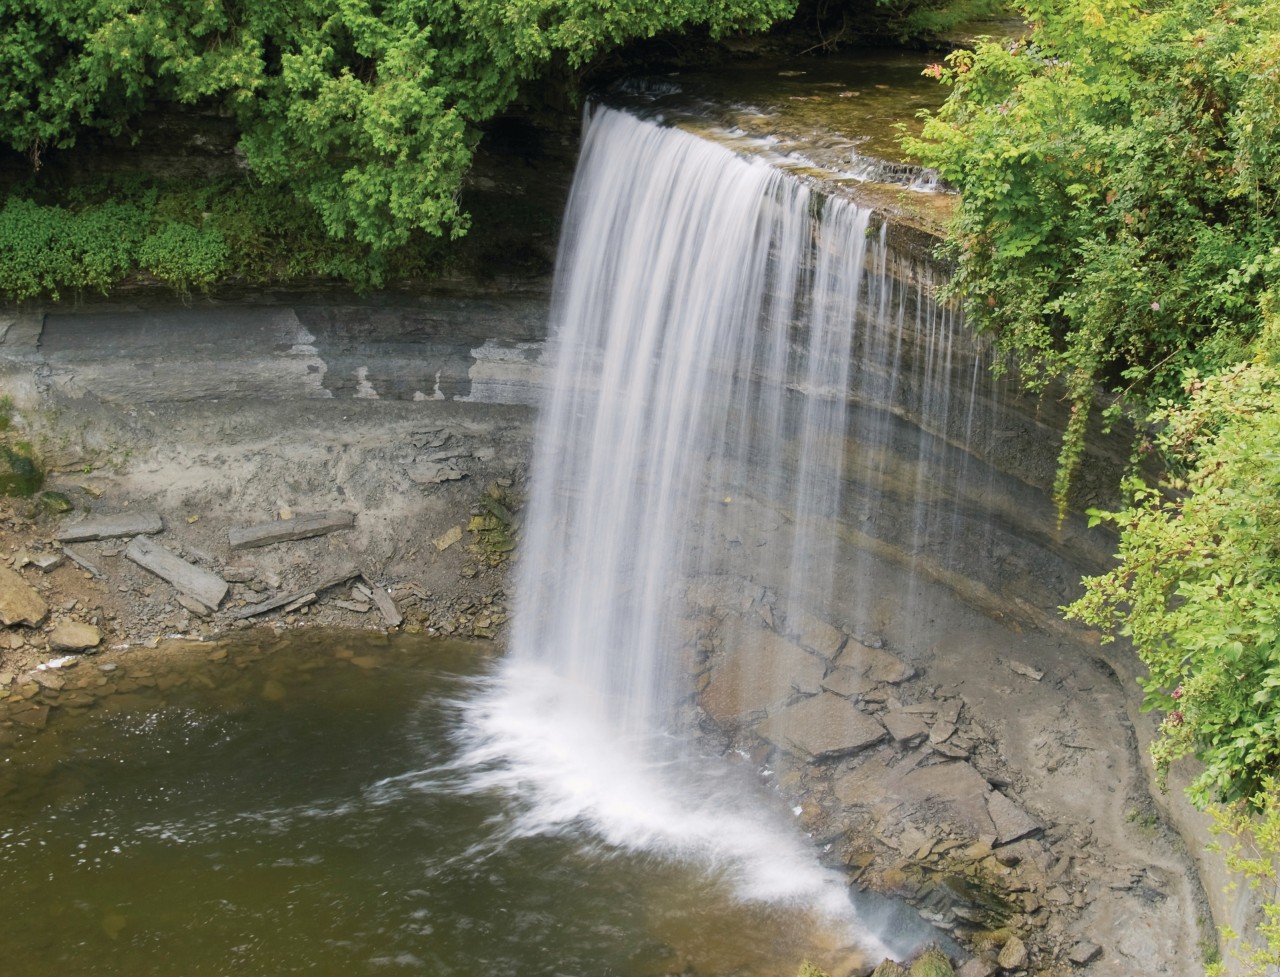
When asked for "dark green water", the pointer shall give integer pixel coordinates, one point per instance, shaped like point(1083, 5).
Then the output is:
point(291, 808)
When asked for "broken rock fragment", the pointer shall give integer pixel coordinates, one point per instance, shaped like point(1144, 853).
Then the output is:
point(140, 523)
point(822, 726)
point(208, 588)
point(74, 636)
point(301, 526)
point(19, 602)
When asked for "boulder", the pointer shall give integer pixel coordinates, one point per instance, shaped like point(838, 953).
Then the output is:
point(976, 967)
point(1013, 955)
point(1083, 953)
point(19, 602)
point(74, 636)
point(932, 963)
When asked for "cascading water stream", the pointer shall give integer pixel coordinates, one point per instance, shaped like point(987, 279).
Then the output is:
point(710, 314)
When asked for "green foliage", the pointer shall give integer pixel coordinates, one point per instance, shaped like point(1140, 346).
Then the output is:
point(1119, 171)
point(932, 963)
point(1253, 833)
point(188, 237)
point(184, 255)
point(20, 474)
point(1197, 586)
point(367, 110)
point(844, 22)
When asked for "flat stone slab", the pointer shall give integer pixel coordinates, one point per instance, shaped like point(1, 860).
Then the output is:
point(898, 790)
point(74, 636)
point(848, 682)
point(391, 615)
point(814, 633)
point(823, 727)
point(1011, 821)
point(140, 523)
point(905, 727)
point(875, 663)
point(300, 526)
point(19, 602)
point(208, 588)
point(760, 670)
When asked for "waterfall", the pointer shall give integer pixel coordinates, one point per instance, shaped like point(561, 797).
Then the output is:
point(717, 330)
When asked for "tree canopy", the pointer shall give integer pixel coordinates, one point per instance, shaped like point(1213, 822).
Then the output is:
point(367, 109)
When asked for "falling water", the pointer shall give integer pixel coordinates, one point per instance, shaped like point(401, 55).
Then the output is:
point(716, 324)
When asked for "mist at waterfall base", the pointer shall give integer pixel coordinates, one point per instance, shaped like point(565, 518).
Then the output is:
point(706, 314)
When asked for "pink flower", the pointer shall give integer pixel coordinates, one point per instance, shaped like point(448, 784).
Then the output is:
point(1175, 718)
point(1178, 693)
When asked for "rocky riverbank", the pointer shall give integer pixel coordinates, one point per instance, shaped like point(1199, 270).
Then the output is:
point(985, 770)
point(987, 775)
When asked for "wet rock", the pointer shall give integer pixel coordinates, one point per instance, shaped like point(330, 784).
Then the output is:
point(1083, 953)
point(31, 715)
point(905, 728)
point(1011, 821)
point(848, 682)
point(19, 602)
point(74, 636)
point(823, 727)
point(815, 634)
point(932, 963)
point(55, 502)
point(976, 967)
point(763, 671)
point(876, 663)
